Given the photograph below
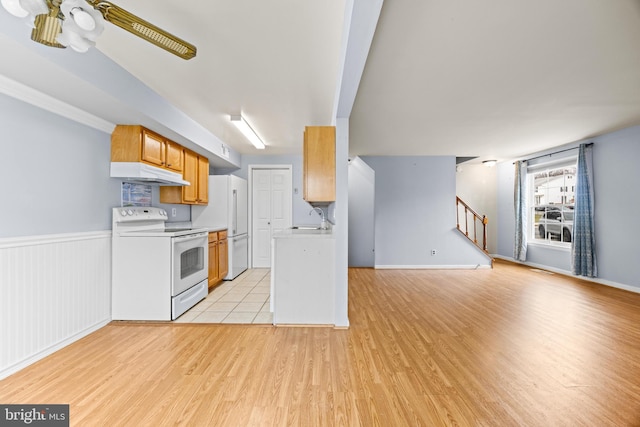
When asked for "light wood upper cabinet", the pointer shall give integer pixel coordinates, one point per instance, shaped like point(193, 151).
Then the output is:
point(190, 192)
point(319, 166)
point(134, 143)
point(202, 196)
point(196, 171)
point(174, 156)
point(153, 148)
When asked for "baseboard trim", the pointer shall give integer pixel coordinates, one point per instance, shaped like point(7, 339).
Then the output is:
point(599, 281)
point(432, 267)
point(304, 325)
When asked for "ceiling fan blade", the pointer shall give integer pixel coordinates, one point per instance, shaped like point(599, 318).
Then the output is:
point(141, 28)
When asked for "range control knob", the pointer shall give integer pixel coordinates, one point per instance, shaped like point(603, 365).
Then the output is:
point(123, 212)
point(129, 212)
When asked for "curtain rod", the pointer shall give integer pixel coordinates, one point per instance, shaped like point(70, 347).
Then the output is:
point(555, 152)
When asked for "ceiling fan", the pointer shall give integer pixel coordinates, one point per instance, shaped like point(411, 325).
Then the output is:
point(77, 24)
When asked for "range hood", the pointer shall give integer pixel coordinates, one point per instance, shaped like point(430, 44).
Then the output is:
point(146, 174)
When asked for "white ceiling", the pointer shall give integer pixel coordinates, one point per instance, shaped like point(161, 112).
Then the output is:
point(497, 78)
point(494, 79)
point(276, 62)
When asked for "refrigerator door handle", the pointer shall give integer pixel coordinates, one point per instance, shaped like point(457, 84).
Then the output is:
point(234, 213)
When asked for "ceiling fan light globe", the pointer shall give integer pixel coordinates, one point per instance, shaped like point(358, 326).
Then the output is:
point(83, 19)
point(74, 41)
point(15, 8)
point(35, 7)
point(73, 36)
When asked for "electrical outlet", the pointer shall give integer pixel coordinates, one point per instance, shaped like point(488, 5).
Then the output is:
point(434, 252)
point(174, 212)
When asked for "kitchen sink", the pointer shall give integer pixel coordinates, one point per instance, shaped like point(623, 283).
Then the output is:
point(304, 227)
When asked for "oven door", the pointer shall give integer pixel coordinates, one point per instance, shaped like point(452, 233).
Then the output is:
point(190, 255)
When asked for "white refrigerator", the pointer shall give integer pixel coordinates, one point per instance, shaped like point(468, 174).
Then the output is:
point(227, 208)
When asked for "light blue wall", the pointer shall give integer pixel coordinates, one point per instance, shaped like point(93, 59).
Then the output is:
point(110, 92)
point(617, 202)
point(362, 187)
point(54, 175)
point(415, 199)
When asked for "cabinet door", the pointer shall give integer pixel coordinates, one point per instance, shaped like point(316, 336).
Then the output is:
point(190, 173)
point(203, 181)
point(153, 147)
point(195, 170)
point(319, 174)
point(214, 272)
point(126, 143)
point(173, 156)
point(223, 258)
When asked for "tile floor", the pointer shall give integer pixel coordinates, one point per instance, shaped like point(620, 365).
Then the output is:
point(242, 300)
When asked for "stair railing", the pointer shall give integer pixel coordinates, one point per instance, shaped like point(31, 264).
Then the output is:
point(471, 215)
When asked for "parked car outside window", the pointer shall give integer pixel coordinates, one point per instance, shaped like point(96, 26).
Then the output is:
point(556, 223)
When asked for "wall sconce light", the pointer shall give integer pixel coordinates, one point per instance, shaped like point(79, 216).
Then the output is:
point(489, 163)
point(247, 131)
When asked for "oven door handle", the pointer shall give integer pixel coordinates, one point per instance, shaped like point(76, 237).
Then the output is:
point(190, 237)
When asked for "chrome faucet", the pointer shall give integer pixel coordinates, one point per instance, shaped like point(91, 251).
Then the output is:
point(323, 224)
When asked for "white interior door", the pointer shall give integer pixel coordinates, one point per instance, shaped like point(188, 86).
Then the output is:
point(270, 210)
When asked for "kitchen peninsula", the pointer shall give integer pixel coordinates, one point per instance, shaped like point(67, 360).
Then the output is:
point(303, 277)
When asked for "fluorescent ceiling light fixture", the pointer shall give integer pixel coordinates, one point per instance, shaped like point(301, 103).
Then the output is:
point(246, 130)
point(489, 163)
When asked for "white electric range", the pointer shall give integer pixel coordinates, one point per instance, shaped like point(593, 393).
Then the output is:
point(157, 273)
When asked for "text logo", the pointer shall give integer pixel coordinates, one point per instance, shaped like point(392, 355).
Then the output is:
point(34, 415)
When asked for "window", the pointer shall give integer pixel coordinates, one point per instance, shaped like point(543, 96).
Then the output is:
point(551, 200)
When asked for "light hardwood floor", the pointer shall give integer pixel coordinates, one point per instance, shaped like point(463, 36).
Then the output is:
point(502, 347)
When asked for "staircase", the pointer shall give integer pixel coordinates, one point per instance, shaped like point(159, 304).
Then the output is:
point(470, 224)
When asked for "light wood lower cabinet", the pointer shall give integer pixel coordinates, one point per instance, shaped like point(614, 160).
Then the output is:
point(218, 257)
point(223, 254)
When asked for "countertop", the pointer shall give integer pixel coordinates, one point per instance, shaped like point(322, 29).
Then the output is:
point(188, 224)
point(214, 229)
point(291, 233)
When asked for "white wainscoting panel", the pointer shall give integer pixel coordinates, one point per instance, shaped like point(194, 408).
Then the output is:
point(53, 291)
